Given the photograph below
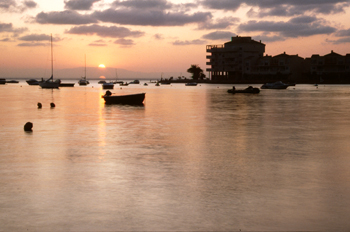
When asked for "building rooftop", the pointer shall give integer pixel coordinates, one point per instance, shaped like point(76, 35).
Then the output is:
point(240, 40)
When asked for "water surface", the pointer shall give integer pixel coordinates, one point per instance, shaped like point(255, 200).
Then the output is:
point(192, 158)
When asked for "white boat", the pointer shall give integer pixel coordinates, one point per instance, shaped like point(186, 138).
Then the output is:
point(275, 85)
point(83, 80)
point(50, 83)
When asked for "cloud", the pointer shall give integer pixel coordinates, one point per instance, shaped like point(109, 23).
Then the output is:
point(221, 4)
point(36, 40)
point(266, 37)
point(104, 31)
point(158, 37)
point(220, 23)
point(124, 42)
point(341, 33)
point(12, 6)
point(32, 44)
point(35, 37)
point(79, 4)
point(98, 43)
point(192, 42)
point(7, 27)
point(64, 17)
point(144, 4)
point(149, 17)
point(219, 35)
point(295, 27)
point(280, 8)
point(340, 41)
point(30, 4)
point(7, 4)
point(5, 40)
point(344, 37)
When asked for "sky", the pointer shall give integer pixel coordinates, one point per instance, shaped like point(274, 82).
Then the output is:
point(161, 36)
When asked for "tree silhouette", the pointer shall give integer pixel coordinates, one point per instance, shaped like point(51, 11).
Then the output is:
point(197, 72)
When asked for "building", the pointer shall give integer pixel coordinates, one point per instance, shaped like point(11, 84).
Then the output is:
point(242, 60)
point(282, 67)
point(330, 69)
point(229, 62)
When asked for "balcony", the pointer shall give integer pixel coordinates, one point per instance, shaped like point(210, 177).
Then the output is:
point(211, 48)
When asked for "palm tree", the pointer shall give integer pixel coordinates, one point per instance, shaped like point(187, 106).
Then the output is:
point(197, 72)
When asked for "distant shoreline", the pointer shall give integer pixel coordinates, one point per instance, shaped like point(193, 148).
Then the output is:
point(249, 82)
point(184, 81)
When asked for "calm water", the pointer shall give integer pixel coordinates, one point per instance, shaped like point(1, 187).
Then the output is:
point(192, 158)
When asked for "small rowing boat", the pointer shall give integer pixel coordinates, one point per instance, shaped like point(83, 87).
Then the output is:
point(130, 99)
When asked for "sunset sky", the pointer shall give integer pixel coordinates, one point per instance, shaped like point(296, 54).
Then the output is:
point(161, 35)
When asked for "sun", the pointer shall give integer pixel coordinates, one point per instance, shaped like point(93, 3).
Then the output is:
point(101, 66)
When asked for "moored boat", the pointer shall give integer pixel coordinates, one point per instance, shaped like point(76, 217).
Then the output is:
point(33, 82)
point(275, 85)
point(12, 82)
point(2, 81)
point(191, 84)
point(83, 80)
point(134, 82)
point(130, 99)
point(67, 84)
point(250, 89)
point(50, 83)
point(108, 85)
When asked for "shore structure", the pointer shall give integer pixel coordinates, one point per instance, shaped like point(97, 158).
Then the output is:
point(242, 60)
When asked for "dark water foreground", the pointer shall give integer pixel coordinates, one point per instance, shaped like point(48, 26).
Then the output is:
point(192, 158)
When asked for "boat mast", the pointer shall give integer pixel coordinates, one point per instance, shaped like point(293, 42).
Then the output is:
point(51, 59)
point(85, 67)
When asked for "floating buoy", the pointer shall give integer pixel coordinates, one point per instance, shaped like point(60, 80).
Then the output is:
point(28, 126)
point(39, 105)
point(52, 105)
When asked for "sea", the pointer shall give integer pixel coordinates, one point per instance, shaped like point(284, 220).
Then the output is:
point(192, 158)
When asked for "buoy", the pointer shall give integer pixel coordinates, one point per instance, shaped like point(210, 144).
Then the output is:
point(28, 126)
point(52, 105)
point(39, 105)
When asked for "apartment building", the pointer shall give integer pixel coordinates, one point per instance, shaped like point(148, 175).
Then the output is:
point(330, 68)
point(231, 60)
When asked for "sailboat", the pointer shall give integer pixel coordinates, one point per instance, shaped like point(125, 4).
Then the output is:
point(49, 83)
point(116, 79)
point(83, 80)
